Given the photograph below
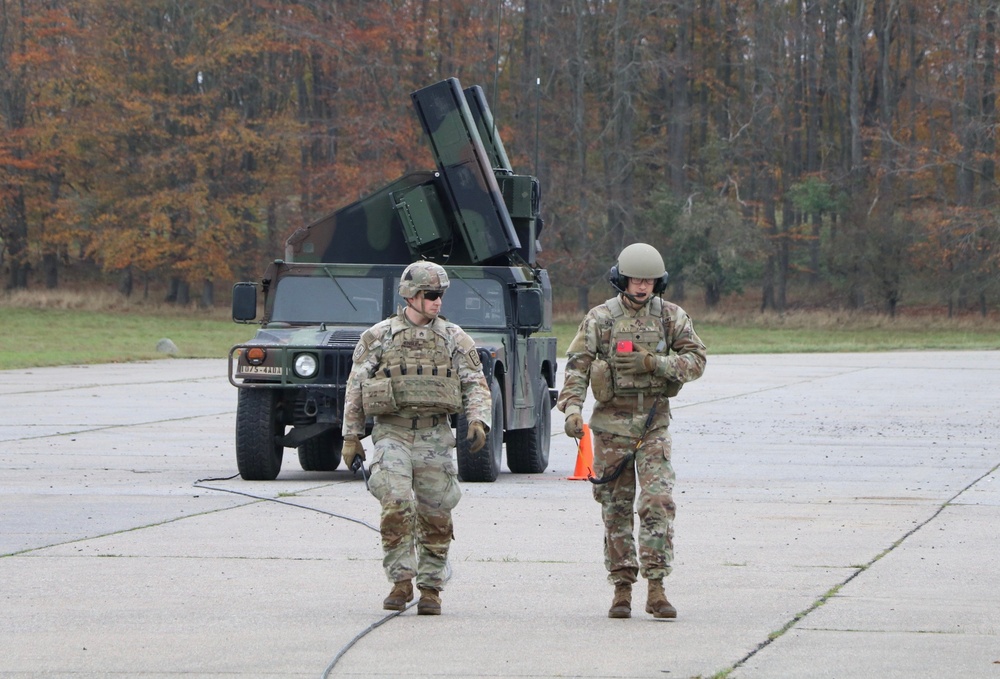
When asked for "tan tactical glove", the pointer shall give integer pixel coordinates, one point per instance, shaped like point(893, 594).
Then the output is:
point(352, 449)
point(634, 362)
point(574, 426)
point(477, 434)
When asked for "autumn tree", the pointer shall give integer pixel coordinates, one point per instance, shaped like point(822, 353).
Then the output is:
point(184, 140)
point(17, 161)
point(186, 127)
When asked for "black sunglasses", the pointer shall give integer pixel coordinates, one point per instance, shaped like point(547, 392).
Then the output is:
point(431, 295)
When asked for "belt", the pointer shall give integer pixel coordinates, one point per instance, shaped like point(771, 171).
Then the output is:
point(412, 422)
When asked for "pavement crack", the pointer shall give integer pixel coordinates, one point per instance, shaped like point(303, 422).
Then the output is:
point(30, 550)
point(110, 427)
point(833, 591)
point(110, 385)
point(762, 390)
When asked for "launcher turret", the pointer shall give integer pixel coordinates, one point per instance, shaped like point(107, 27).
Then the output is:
point(471, 210)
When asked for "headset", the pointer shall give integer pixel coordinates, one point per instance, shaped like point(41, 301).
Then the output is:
point(619, 281)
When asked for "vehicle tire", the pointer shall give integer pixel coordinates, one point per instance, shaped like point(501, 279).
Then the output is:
point(528, 449)
point(258, 428)
point(483, 465)
point(322, 453)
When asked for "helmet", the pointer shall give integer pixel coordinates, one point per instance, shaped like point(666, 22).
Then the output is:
point(639, 260)
point(422, 276)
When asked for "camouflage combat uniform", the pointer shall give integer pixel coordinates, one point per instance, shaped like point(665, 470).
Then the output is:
point(619, 419)
point(413, 469)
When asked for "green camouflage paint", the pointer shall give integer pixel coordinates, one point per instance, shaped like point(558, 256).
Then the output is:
point(473, 216)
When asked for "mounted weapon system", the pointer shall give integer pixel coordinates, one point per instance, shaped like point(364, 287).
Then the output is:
point(339, 276)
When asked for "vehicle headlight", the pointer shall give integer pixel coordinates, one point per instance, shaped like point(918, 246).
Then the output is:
point(305, 365)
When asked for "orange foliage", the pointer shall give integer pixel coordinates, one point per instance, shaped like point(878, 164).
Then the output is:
point(168, 137)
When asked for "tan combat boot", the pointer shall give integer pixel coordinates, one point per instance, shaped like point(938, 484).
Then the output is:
point(656, 601)
point(401, 593)
point(430, 602)
point(621, 605)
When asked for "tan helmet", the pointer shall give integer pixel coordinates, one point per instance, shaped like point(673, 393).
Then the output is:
point(639, 260)
point(426, 276)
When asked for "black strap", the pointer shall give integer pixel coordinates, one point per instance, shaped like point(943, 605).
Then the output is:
point(628, 459)
point(615, 473)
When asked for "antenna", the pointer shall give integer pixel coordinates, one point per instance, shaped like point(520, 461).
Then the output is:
point(496, 65)
point(538, 99)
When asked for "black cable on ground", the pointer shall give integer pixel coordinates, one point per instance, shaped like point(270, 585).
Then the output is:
point(362, 633)
point(197, 484)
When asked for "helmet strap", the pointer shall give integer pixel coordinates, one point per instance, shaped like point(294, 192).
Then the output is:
point(426, 317)
point(637, 303)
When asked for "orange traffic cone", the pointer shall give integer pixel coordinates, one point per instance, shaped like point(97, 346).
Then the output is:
point(584, 458)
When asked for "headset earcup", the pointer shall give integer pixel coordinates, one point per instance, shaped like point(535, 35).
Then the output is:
point(661, 285)
point(619, 282)
point(616, 280)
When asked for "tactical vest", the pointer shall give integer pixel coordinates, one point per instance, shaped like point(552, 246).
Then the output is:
point(646, 331)
point(416, 374)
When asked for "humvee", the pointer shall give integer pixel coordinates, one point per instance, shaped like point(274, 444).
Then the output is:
point(340, 274)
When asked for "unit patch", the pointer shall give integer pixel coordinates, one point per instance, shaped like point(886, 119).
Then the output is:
point(361, 348)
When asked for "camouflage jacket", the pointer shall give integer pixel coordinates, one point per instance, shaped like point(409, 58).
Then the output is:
point(368, 359)
point(681, 359)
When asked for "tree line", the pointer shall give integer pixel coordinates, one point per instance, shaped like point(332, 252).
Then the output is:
point(764, 147)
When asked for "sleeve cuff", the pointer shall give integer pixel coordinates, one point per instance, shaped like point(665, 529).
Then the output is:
point(662, 366)
point(573, 410)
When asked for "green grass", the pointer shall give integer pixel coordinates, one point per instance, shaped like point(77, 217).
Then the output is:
point(35, 337)
point(811, 332)
point(749, 340)
point(47, 337)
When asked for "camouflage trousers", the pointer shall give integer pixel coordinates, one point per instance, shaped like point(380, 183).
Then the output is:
point(415, 477)
point(655, 506)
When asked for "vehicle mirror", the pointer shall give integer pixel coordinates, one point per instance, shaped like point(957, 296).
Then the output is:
point(244, 302)
point(529, 310)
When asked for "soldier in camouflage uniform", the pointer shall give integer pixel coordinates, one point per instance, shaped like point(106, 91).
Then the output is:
point(635, 351)
point(411, 372)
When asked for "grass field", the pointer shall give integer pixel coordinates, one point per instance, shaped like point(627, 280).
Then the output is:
point(46, 331)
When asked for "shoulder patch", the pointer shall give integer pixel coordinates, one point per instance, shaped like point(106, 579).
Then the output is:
point(464, 342)
point(467, 346)
point(364, 345)
point(359, 351)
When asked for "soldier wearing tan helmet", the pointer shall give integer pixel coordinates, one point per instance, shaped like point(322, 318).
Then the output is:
point(634, 351)
point(411, 372)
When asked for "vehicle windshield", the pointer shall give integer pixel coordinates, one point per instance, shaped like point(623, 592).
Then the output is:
point(319, 298)
point(474, 303)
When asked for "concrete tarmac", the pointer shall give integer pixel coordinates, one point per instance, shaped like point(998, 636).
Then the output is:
point(838, 516)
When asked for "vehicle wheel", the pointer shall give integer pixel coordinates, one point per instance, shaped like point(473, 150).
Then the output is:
point(528, 449)
point(483, 465)
point(322, 453)
point(258, 427)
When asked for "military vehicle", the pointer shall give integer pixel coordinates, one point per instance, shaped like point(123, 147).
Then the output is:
point(340, 275)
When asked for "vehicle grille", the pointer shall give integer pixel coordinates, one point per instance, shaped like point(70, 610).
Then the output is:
point(341, 338)
point(337, 366)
